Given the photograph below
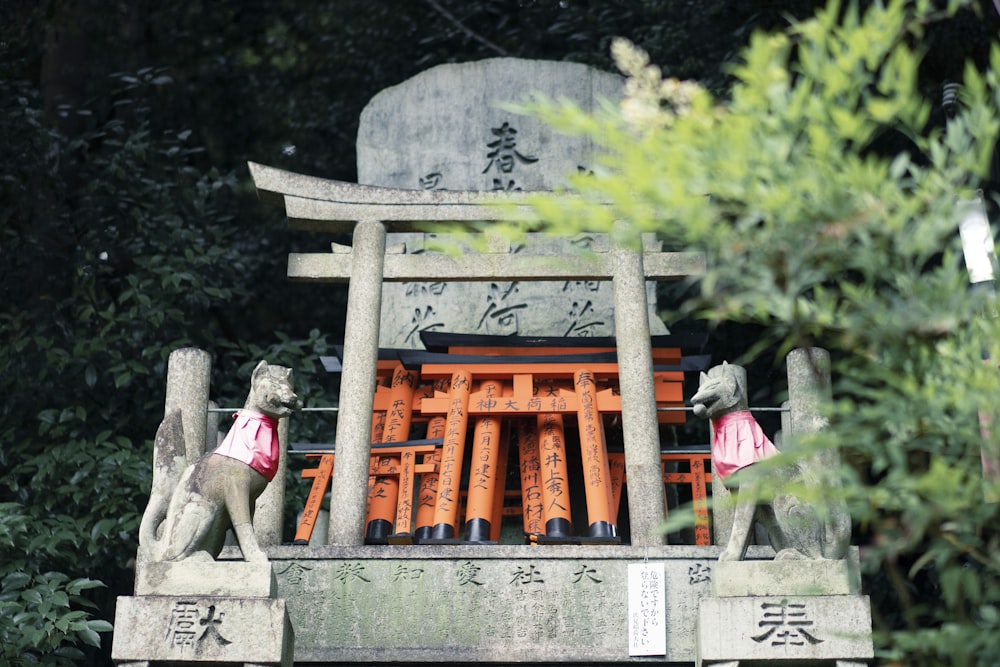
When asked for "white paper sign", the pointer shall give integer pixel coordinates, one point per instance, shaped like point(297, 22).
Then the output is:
point(647, 611)
point(977, 240)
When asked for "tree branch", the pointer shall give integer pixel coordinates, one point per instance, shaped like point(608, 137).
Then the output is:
point(461, 26)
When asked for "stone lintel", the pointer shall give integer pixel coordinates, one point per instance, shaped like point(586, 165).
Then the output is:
point(271, 181)
point(784, 630)
point(217, 630)
point(407, 214)
point(533, 243)
point(320, 204)
point(336, 267)
point(219, 578)
point(787, 577)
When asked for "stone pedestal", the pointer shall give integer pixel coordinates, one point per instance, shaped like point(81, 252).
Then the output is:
point(790, 613)
point(211, 579)
point(191, 629)
point(457, 605)
point(770, 578)
point(223, 613)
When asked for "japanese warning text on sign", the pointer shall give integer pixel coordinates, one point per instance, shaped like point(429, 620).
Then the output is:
point(647, 632)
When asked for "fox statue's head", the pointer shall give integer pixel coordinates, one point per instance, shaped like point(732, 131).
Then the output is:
point(720, 391)
point(271, 391)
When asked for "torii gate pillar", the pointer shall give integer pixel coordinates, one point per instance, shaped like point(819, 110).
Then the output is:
point(364, 305)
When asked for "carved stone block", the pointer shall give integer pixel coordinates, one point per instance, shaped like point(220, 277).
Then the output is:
point(466, 604)
point(784, 630)
point(217, 630)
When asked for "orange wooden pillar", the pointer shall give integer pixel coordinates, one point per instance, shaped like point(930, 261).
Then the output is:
point(378, 425)
point(596, 472)
point(321, 480)
point(530, 465)
point(702, 532)
point(383, 485)
point(378, 430)
point(555, 477)
point(427, 493)
point(500, 488)
point(616, 465)
point(384, 491)
point(452, 452)
point(409, 468)
point(378, 415)
point(404, 498)
point(483, 468)
point(699, 479)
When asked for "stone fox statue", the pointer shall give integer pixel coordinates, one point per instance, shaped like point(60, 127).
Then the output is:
point(795, 529)
point(192, 506)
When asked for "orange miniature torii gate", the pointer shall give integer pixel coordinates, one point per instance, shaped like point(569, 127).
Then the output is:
point(397, 460)
point(565, 388)
point(582, 398)
point(541, 444)
point(392, 471)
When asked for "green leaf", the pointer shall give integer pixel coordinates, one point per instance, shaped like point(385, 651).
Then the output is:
point(82, 584)
point(89, 637)
point(99, 625)
point(32, 596)
point(16, 581)
point(101, 528)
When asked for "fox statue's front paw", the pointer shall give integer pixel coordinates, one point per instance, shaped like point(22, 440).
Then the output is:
point(255, 556)
point(252, 553)
point(730, 554)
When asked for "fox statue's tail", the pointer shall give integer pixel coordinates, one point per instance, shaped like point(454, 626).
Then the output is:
point(169, 462)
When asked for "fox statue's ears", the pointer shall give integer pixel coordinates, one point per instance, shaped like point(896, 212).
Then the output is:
point(702, 377)
point(261, 368)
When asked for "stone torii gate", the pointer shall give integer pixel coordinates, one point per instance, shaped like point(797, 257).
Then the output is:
point(367, 213)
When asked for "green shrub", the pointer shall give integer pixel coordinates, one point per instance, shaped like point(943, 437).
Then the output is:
point(815, 231)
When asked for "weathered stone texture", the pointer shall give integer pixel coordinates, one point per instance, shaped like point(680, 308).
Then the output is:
point(196, 629)
point(450, 128)
point(792, 577)
point(784, 630)
point(447, 128)
point(192, 577)
point(472, 604)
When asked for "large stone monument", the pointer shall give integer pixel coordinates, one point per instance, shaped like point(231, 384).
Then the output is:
point(449, 128)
